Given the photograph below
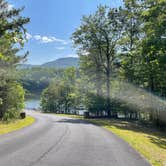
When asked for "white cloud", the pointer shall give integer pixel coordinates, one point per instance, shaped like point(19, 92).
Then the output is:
point(60, 48)
point(28, 36)
point(37, 37)
point(10, 6)
point(47, 39)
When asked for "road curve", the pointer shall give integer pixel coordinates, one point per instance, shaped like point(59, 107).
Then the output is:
point(61, 141)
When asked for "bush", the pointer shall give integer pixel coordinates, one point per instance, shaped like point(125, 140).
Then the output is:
point(12, 102)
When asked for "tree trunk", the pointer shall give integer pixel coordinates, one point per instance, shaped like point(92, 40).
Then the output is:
point(98, 86)
point(108, 105)
point(151, 83)
point(98, 80)
point(4, 105)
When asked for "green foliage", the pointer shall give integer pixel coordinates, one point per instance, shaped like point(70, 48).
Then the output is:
point(95, 104)
point(60, 96)
point(154, 45)
point(14, 101)
point(36, 79)
point(143, 63)
point(126, 43)
point(97, 41)
point(49, 100)
point(12, 38)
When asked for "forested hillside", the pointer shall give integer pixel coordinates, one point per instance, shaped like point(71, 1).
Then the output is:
point(35, 80)
point(60, 63)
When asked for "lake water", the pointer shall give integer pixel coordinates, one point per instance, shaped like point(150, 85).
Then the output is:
point(32, 104)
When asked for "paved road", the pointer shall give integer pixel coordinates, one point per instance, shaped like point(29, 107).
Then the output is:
point(59, 141)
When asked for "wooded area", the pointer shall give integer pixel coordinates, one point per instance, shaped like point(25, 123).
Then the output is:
point(122, 61)
point(122, 53)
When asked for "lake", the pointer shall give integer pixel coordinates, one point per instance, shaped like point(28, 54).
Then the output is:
point(32, 104)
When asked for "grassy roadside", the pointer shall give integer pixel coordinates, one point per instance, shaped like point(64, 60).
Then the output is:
point(149, 142)
point(15, 125)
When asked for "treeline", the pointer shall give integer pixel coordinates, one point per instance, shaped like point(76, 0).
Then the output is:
point(12, 38)
point(122, 51)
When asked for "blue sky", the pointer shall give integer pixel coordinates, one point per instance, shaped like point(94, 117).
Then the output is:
point(52, 24)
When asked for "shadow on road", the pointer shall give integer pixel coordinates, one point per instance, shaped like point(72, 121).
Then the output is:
point(154, 135)
point(73, 121)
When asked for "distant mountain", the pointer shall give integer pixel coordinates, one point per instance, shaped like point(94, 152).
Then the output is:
point(59, 63)
point(62, 63)
point(27, 66)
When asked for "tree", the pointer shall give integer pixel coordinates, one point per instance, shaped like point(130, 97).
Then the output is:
point(98, 37)
point(143, 44)
point(95, 104)
point(61, 95)
point(14, 101)
point(91, 67)
point(131, 38)
point(12, 38)
point(154, 44)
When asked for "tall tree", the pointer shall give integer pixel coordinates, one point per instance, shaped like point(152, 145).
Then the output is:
point(154, 44)
point(131, 38)
point(98, 36)
point(12, 38)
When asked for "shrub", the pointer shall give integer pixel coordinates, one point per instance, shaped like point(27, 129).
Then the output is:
point(13, 102)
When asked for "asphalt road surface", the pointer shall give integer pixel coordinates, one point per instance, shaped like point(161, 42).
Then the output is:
point(60, 141)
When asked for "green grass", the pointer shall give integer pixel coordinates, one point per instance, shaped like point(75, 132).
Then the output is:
point(148, 141)
point(15, 125)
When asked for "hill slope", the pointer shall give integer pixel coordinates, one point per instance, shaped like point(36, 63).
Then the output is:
point(59, 63)
point(62, 63)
